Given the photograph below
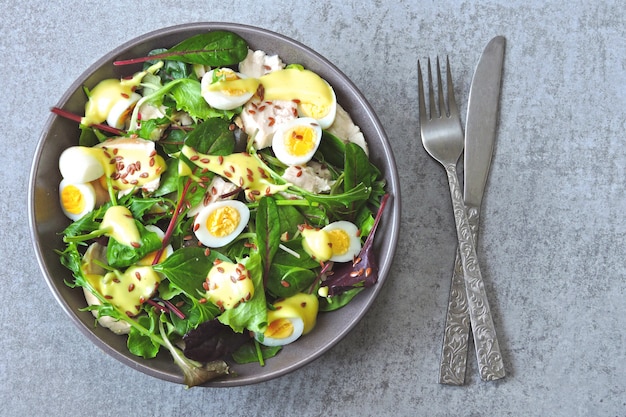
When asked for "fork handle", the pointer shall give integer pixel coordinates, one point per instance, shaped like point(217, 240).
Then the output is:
point(453, 364)
point(488, 354)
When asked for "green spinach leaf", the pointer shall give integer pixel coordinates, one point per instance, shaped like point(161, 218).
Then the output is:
point(213, 137)
point(216, 48)
point(267, 232)
point(248, 353)
point(120, 255)
point(285, 281)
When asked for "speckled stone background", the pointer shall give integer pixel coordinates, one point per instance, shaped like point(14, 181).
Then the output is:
point(553, 231)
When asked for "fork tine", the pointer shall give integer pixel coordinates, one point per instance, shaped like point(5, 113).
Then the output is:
point(434, 109)
point(420, 93)
point(452, 107)
point(442, 104)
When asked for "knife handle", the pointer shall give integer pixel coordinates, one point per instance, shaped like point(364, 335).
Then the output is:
point(490, 362)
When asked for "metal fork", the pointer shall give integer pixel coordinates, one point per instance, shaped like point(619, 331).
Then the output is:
point(442, 137)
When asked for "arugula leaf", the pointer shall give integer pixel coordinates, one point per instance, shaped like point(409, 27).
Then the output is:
point(86, 224)
point(139, 206)
point(140, 344)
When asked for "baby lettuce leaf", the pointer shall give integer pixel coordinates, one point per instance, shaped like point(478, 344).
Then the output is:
point(186, 270)
point(188, 97)
point(363, 271)
point(212, 341)
point(213, 137)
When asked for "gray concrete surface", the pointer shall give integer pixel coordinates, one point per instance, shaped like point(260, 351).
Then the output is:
point(552, 242)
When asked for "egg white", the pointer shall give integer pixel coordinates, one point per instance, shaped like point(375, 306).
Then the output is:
point(222, 100)
point(354, 246)
point(206, 237)
point(282, 135)
point(298, 328)
point(120, 111)
point(87, 194)
point(78, 164)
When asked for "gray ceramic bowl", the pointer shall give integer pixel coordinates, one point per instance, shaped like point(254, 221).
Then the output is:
point(47, 220)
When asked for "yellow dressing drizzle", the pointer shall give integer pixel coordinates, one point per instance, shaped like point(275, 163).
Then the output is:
point(296, 84)
point(228, 284)
point(102, 98)
point(305, 306)
point(121, 225)
point(128, 290)
point(239, 168)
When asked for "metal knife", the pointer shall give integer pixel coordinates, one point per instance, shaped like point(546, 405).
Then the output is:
point(480, 133)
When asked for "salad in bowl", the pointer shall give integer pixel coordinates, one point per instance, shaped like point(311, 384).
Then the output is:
point(227, 204)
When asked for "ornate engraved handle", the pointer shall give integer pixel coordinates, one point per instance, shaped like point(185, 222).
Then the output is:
point(453, 364)
point(490, 362)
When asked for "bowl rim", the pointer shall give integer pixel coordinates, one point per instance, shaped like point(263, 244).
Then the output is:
point(393, 217)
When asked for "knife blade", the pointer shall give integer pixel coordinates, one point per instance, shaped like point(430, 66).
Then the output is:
point(480, 133)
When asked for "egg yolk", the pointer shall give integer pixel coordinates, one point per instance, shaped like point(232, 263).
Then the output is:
point(223, 221)
point(225, 75)
point(339, 241)
point(300, 140)
point(72, 199)
point(279, 329)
